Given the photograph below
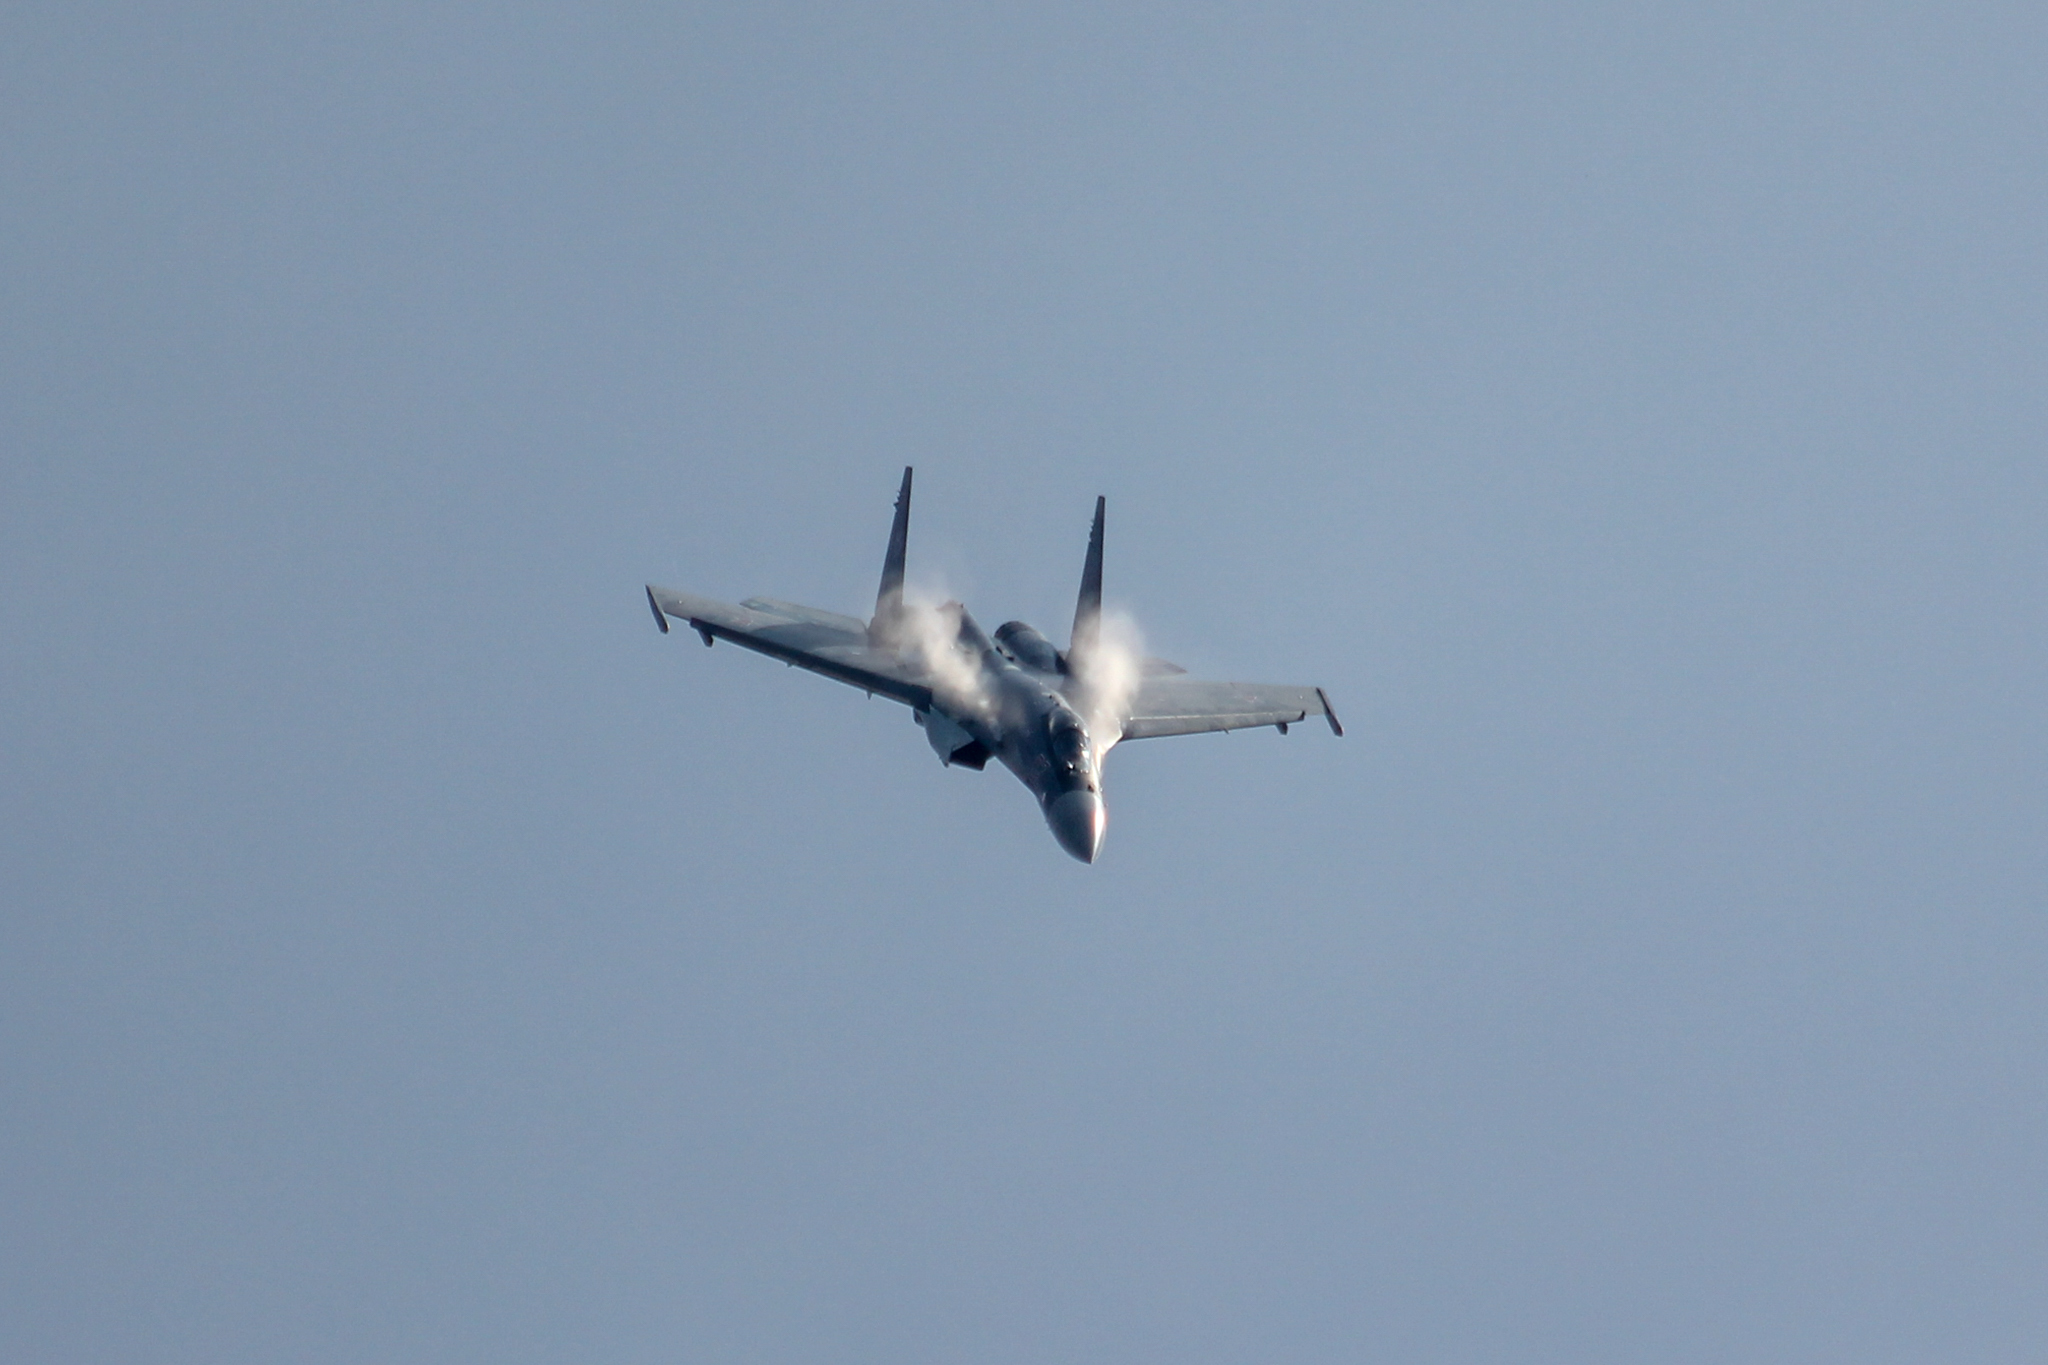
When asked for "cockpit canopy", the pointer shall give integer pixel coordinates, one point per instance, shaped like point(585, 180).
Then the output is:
point(1069, 738)
point(1029, 648)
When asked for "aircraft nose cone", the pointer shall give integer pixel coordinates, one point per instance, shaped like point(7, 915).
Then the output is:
point(1078, 820)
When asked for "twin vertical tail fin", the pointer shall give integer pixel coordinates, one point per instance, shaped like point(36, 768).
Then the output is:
point(889, 600)
point(1088, 610)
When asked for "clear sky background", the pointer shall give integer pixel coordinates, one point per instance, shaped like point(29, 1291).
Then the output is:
point(1633, 415)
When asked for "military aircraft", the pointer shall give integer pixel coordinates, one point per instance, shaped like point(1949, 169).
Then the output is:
point(1050, 716)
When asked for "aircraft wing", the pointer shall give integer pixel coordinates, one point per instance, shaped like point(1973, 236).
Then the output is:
point(822, 641)
point(1179, 705)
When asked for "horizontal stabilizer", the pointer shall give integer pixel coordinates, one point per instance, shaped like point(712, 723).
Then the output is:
point(792, 611)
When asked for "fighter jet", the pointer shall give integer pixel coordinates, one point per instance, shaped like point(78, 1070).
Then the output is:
point(1050, 716)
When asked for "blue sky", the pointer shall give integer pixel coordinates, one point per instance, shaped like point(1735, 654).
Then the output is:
point(1631, 416)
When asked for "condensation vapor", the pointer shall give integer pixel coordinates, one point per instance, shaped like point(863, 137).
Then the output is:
point(929, 633)
point(1109, 677)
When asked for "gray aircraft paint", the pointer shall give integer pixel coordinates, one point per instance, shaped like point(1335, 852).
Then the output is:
point(1013, 698)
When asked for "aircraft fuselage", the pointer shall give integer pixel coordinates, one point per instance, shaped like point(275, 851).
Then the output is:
point(999, 706)
point(1048, 715)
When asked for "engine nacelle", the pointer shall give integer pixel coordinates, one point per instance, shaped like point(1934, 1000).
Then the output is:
point(1029, 648)
point(950, 742)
